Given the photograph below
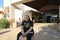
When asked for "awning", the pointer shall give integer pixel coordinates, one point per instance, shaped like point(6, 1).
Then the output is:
point(20, 2)
point(40, 4)
point(49, 7)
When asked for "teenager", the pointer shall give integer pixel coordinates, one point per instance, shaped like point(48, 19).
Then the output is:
point(26, 29)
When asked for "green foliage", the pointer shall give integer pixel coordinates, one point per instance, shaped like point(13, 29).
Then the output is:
point(4, 23)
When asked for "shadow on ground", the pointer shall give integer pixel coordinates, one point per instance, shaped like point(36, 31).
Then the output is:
point(48, 32)
point(4, 32)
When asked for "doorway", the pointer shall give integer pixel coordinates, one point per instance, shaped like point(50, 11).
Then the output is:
point(48, 19)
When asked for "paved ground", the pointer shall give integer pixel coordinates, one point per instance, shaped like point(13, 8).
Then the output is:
point(10, 35)
point(47, 32)
point(43, 31)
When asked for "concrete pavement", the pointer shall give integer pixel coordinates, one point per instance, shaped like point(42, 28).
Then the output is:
point(46, 31)
point(10, 35)
point(43, 31)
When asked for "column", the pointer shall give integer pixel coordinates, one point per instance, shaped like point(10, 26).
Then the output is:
point(59, 18)
point(12, 16)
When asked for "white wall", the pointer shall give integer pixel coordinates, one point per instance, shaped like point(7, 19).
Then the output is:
point(18, 14)
point(1, 15)
point(6, 3)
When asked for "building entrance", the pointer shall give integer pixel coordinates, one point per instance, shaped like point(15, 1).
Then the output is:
point(48, 19)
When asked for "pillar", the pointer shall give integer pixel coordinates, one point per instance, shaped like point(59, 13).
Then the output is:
point(59, 19)
point(12, 16)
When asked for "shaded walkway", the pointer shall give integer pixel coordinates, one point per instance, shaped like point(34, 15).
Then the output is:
point(48, 33)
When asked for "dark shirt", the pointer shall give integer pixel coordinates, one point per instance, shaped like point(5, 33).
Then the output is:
point(26, 25)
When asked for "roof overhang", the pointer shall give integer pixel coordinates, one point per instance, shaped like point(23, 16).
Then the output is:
point(15, 2)
point(21, 6)
point(38, 4)
point(24, 7)
point(20, 2)
point(49, 7)
point(23, 1)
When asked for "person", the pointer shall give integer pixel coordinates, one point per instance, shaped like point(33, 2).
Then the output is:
point(26, 29)
point(18, 22)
